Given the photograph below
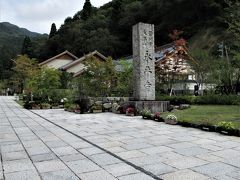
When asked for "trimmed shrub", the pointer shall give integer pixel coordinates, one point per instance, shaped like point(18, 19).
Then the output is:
point(177, 100)
point(218, 100)
point(202, 100)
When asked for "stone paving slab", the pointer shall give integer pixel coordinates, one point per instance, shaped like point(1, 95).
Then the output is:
point(120, 169)
point(23, 175)
point(159, 168)
point(215, 169)
point(83, 166)
point(100, 175)
point(63, 145)
point(138, 176)
point(43, 157)
point(17, 165)
point(10, 156)
point(59, 175)
point(184, 174)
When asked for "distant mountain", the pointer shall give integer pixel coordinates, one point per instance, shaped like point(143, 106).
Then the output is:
point(11, 40)
point(11, 29)
point(12, 35)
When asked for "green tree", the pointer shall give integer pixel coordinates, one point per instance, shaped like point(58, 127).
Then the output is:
point(27, 47)
point(53, 31)
point(6, 54)
point(205, 66)
point(108, 28)
point(24, 68)
point(44, 83)
point(228, 72)
point(98, 79)
point(231, 17)
point(87, 10)
point(124, 79)
point(223, 72)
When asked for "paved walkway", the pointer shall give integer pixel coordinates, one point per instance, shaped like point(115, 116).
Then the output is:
point(54, 144)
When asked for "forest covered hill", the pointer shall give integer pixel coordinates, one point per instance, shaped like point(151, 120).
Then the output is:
point(108, 29)
point(11, 41)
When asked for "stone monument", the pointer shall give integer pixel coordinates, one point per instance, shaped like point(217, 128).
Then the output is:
point(144, 69)
point(143, 62)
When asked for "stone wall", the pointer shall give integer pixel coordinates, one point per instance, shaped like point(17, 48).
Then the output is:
point(153, 106)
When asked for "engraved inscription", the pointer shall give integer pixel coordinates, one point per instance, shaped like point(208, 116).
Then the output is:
point(144, 62)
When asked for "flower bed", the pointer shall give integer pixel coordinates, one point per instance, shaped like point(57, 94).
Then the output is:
point(223, 119)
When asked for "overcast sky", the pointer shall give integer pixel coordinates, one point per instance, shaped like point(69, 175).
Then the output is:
point(38, 15)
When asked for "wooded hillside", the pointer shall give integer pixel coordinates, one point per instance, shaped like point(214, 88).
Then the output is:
point(108, 29)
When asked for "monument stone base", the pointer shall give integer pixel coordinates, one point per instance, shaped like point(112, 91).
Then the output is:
point(153, 106)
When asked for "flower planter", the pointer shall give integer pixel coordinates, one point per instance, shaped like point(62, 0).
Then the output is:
point(224, 131)
point(77, 111)
point(129, 114)
point(209, 128)
point(185, 124)
point(146, 117)
point(195, 126)
point(237, 132)
point(170, 121)
point(159, 119)
point(130, 111)
point(96, 111)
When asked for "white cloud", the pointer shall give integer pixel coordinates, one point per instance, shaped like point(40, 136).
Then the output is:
point(44, 10)
point(38, 15)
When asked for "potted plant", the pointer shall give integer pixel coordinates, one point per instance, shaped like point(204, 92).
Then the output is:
point(226, 127)
point(69, 107)
point(207, 125)
point(45, 105)
point(157, 117)
point(116, 108)
point(77, 109)
point(96, 108)
point(146, 114)
point(184, 123)
point(130, 111)
point(171, 119)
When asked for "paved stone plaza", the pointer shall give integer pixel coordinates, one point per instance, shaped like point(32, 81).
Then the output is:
point(61, 145)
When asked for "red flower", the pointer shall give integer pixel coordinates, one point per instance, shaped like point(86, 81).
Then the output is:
point(157, 115)
point(130, 110)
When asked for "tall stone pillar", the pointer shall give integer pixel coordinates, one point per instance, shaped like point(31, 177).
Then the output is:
point(143, 62)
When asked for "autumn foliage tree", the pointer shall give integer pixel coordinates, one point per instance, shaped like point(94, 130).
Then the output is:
point(171, 67)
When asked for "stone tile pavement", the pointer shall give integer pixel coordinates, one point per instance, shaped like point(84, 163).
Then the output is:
point(54, 144)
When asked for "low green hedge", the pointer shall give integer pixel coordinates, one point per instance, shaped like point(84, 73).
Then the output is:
point(218, 100)
point(202, 100)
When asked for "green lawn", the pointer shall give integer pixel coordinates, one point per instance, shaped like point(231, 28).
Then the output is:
point(208, 114)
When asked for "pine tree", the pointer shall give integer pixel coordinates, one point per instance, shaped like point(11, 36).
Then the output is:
point(27, 47)
point(53, 31)
point(87, 10)
point(117, 8)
